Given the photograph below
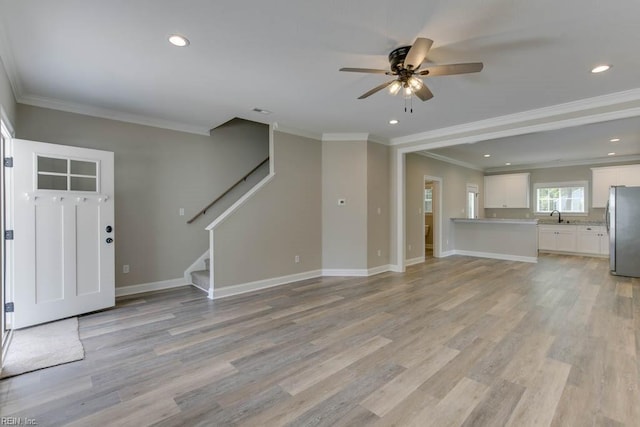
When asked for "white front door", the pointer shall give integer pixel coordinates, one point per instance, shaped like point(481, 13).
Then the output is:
point(63, 243)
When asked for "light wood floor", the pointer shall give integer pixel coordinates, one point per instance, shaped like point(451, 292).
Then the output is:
point(454, 341)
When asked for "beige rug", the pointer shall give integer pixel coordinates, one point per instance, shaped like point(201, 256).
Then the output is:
point(43, 346)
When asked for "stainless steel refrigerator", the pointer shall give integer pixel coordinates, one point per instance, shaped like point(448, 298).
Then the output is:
point(623, 224)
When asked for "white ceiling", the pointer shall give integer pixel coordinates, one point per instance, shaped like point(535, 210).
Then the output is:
point(111, 58)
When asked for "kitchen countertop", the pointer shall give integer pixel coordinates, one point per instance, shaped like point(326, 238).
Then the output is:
point(528, 221)
point(571, 222)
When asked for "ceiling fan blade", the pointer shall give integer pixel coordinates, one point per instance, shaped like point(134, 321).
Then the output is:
point(424, 93)
point(449, 69)
point(376, 89)
point(364, 70)
point(417, 53)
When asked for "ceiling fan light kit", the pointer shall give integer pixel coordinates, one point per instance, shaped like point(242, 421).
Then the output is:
point(404, 64)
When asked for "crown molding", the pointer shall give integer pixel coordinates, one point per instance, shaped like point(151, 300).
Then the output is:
point(105, 113)
point(559, 164)
point(449, 160)
point(345, 136)
point(378, 140)
point(511, 120)
point(295, 131)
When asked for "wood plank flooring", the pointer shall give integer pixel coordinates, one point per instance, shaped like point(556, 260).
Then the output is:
point(452, 342)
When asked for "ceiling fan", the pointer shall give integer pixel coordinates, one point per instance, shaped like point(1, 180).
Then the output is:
point(405, 64)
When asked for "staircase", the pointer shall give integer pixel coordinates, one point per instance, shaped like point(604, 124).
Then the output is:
point(200, 278)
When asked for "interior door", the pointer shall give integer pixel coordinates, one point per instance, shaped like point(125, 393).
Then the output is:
point(63, 234)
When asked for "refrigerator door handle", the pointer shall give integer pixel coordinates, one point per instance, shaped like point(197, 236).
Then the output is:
point(607, 217)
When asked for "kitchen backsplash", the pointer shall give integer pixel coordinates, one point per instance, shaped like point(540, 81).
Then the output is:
point(595, 214)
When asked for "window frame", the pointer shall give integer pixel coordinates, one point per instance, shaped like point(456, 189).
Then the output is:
point(583, 184)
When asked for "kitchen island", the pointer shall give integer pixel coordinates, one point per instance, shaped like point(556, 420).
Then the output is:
point(508, 239)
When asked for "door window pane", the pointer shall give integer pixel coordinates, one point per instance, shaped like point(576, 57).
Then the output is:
point(79, 167)
point(51, 164)
point(79, 183)
point(52, 182)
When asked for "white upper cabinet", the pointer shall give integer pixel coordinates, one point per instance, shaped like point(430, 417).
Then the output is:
point(506, 191)
point(603, 178)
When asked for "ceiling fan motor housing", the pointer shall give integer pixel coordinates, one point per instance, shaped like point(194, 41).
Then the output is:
point(397, 57)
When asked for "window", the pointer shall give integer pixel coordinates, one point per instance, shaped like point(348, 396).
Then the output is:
point(566, 197)
point(67, 174)
point(428, 200)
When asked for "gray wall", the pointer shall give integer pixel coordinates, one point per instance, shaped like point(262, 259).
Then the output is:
point(344, 228)
point(282, 220)
point(378, 198)
point(454, 188)
point(157, 172)
point(7, 99)
point(557, 174)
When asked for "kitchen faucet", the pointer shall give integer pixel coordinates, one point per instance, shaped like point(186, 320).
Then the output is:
point(559, 215)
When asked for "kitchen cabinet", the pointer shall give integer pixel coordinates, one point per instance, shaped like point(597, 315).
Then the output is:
point(592, 240)
point(506, 191)
point(605, 177)
point(561, 238)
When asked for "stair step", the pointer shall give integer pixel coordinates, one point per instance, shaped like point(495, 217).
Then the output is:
point(200, 278)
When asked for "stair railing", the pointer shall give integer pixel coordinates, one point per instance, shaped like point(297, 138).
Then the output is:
point(244, 178)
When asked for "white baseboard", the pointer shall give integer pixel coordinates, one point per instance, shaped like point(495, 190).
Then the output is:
point(505, 257)
point(337, 272)
point(395, 268)
point(148, 287)
point(447, 253)
point(378, 270)
point(414, 261)
point(228, 291)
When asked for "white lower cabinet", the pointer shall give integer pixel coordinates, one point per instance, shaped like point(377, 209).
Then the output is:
point(560, 238)
point(593, 240)
point(578, 239)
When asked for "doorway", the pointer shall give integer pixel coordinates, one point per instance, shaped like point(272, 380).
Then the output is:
point(432, 210)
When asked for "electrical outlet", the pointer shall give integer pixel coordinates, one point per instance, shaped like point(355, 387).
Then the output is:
point(181, 212)
point(379, 211)
point(379, 252)
point(125, 268)
point(296, 259)
point(409, 247)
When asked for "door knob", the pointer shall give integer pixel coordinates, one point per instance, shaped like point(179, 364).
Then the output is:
point(109, 240)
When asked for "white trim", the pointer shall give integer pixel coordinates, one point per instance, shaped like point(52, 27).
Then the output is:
point(295, 131)
point(241, 201)
point(6, 123)
point(345, 136)
point(148, 287)
point(505, 257)
point(395, 268)
point(197, 265)
point(446, 254)
point(449, 160)
point(228, 291)
point(352, 272)
point(531, 115)
point(559, 164)
point(378, 270)
point(414, 261)
point(105, 113)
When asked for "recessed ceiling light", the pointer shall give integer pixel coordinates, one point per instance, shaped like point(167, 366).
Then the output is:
point(178, 40)
point(600, 69)
point(611, 154)
point(393, 122)
point(614, 139)
point(487, 155)
point(507, 164)
point(261, 110)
